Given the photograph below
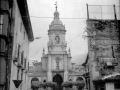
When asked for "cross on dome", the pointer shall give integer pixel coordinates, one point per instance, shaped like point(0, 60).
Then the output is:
point(56, 13)
point(56, 22)
point(56, 5)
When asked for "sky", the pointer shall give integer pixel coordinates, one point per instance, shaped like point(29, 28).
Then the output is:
point(73, 14)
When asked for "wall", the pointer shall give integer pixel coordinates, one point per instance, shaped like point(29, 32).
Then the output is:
point(20, 38)
point(103, 47)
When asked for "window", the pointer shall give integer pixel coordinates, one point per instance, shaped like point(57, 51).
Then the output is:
point(24, 35)
point(1, 23)
point(18, 74)
point(25, 63)
point(18, 53)
point(28, 66)
point(21, 75)
point(22, 57)
point(21, 27)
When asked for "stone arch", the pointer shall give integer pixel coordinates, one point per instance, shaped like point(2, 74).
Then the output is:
point(61, 74)
point(59, 80)
point(70, 79)
point(44, 80)
point(80, 78)
point(34, 79)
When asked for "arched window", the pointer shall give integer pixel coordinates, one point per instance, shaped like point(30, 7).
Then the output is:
point(34, 79)
point(79, 79)
point(34, 82)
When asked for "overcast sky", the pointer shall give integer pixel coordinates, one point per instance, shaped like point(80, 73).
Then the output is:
point(75, 27)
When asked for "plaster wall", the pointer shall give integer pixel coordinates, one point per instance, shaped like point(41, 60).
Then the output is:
point(21, 38)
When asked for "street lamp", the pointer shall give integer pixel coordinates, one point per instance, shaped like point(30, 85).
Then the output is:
point(34, 38)
point(20, 45)
point(37, 37)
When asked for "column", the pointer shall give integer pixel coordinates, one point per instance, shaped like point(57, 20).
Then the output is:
point(65, 69)
point(49, 73)
point(65, 76)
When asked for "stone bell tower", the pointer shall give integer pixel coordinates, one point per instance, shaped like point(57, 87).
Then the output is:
point(58, 59)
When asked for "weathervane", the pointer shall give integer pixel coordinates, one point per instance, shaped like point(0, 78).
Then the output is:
point(56, 5)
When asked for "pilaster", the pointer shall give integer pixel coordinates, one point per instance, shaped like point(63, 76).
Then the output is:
point(49, 73)
point(65, 76)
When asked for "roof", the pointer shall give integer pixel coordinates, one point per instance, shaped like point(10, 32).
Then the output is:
point(56, 24)
point(108, 78)
point(23, 7)
point(86, 61)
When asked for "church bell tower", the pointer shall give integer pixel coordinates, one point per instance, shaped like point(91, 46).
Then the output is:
point(57, 62)
point(56, 33)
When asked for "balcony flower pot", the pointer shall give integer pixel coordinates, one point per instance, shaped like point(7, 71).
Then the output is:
point(50, 84)
point(67, 84)
point(43, 85)
point(79, 84)
point(35, 87)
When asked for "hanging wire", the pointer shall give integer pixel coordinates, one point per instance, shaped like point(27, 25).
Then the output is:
point(52, 17)
point(74, 38)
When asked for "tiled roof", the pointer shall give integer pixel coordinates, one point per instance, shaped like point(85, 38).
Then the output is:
point(108, 78)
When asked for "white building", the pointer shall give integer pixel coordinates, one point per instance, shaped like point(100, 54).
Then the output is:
point(56, 65)
point(22, 36)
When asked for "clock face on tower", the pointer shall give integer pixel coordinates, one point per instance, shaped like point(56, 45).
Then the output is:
point(57, 39)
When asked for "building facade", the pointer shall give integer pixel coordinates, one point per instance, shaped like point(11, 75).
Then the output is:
point(15, 35)
point(104, 54)
point(86, 73)
point(56, 65)
point(5, 42)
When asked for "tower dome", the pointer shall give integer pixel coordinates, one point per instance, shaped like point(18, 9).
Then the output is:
point(56, 20)
point(56, 23)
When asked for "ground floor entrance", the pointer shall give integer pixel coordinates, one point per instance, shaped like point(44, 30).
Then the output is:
point(59, 80)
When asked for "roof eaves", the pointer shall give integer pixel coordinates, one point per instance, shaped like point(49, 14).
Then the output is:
point(23, 7)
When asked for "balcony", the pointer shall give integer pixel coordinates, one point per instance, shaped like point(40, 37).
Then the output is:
point(2, 54)
point(15, 60)
point(109, 61)
point(19, 65)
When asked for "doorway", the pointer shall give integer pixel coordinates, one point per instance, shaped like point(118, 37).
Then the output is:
point(59, 80)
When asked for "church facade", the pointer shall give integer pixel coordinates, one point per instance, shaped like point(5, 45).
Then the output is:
point(56, 65)
point(57, 61)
